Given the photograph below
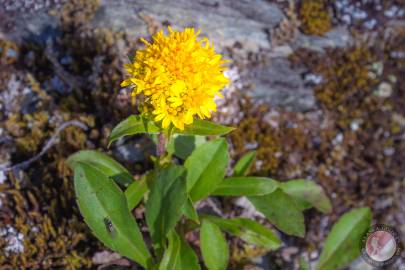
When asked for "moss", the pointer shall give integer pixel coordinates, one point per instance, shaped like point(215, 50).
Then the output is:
point(76, 13)
point(348, 81)
point(41, 203)
point(242, 254)
point(45, 244)
point(314, 16)
point(282, 143)
point(53, 235)
point(350, 143)
point(253, 133)
point(96, 60)
point(358, 156)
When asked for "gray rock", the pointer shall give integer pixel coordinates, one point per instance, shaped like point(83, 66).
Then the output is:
point(36, 25)
point(223, 21)
point(277, 84)
point(338, 37)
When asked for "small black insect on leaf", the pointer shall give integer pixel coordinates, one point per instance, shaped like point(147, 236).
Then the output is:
point(109, 226)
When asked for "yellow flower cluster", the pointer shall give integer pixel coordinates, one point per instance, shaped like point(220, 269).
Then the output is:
point(179, 76)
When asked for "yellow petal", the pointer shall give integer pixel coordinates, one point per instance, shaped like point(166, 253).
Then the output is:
point(145, 41)
point(188, 118)
point(166, 122)
point(178, 123)
point(159, 117)
point(126, 83)
point(178, 87)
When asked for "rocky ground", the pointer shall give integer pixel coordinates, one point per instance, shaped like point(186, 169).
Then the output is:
point(317, 89)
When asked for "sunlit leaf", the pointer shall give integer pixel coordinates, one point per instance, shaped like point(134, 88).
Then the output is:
point(249, 230)
point(179, 255)
point(134, 124)
point(214, 247)
point(342, 245)
point(183, 145)
point(205, 128)
point(134, 193)
point(103, 163)
point(243, 166)
point(206, 168)
point(308, 194)
point(190, 212)
point(166, 199)
point(281, 210)
point(105, 210)
point(246, 186)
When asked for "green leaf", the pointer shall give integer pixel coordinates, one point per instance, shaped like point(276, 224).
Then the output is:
point(243, 166)
point(249, 230)
point(105, 210)
point(282, 211)
point(308, 194)
point(135, 124)
point(304, 265)
point(342, 244)
point(166, 199)
point(183, 145)
point(206, 168)
point(134, 193)
point(179, 255)
point(190, 212)
point(205, 128)
point(246, 186)
point(103, 163)
point(214, 247)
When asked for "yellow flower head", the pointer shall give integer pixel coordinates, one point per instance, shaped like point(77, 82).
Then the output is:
point(179, 76)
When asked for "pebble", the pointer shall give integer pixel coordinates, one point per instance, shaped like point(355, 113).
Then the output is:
point(389, 151)
point(338, 139)
point(313, 255)
point(384, 90)
point(286, 253)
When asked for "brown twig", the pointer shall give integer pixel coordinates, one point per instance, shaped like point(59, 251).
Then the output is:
point(47, 146)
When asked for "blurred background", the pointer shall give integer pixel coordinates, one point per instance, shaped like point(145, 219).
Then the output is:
point(317, 88)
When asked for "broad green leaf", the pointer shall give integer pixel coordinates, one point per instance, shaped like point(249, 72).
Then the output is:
point(183, 145)
point(206, 168)
point(281, 210)
point(214, 247)
point(249, 230)
point(243, 166)
point(179, 255)
point(103, 163)
point(134, 124)
point(246, 186)
point(135, 192)
point(105, 210)
point(190, 212)
point(165, 202)
point(205, 128)
point(307, 194)
point(342, 244)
